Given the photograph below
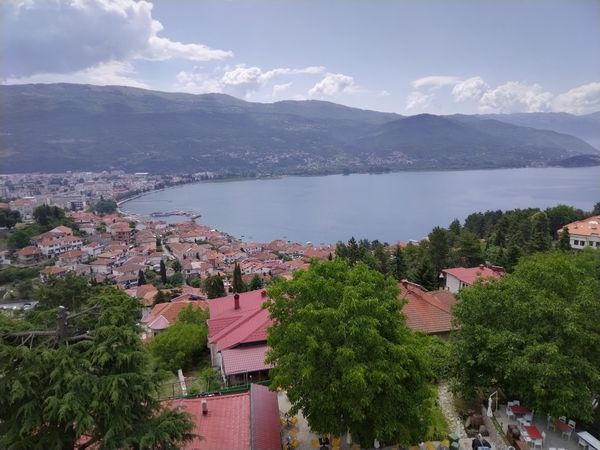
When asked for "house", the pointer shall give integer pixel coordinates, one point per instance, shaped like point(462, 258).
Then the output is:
point(237, 336)
point(584, 233)
point(459, 277)
point(53, 271)
point(28, 255)
point(25, 206)
point(428, 312)
point(52, 247)
point(72, 258)
point(146, 294)
point(242, 421)
point(4, 258)
point(163, 315)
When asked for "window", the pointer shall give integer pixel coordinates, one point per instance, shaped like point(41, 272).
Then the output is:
point(575, 242)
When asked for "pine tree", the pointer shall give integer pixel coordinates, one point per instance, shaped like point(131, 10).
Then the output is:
point(141, 278)
point(564, 240)
point(425, 275)
point(256, 282)
point(455, 227)
point(399, 264)
point(163, 272)
point(540, 239)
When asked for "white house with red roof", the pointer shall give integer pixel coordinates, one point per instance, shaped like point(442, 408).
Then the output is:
point(459, 277)
point(247, 420)
point(584, 233)
point(427, 311)
point(237, 336)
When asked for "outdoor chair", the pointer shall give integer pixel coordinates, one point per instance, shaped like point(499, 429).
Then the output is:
point(528, 417)
point(509, 413)
point(567, 433)
point(540, 442)
point(572, 424)
point(582, 443)
point(563, 419)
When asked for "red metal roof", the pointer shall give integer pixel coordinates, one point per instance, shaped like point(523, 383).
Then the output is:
point(249, 420)
point(469, 275)
point(424, 311)
point(264, 419)
point(225, 305)
point(251, 327)
point(244, 359)
point(225, 427)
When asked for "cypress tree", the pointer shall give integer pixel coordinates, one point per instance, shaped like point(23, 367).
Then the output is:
point(238, 283)
point(141, 278)
point(163, 272)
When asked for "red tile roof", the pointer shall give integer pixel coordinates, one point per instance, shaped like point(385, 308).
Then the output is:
point(165, 314)
point(430, 312)
point(469, 275)
point(585, 227)
point(245, 359)
point(264, 419)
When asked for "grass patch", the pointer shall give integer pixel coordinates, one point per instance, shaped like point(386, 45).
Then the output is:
point(438, 429)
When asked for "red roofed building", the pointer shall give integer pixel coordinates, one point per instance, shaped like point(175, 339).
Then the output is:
point(237, 336)
point(459, 277)
point(429, 312)
point(165, 314)
point(245, 421)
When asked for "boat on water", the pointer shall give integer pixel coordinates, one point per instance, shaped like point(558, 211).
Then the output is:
point(192, 214)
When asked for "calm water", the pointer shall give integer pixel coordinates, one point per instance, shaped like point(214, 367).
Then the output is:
point(389, 207)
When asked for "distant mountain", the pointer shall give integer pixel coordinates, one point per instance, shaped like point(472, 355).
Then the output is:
point(585, 127)
point(57, 127)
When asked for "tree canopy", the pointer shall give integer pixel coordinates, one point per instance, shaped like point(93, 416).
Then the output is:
point(344, 355)
point(99, 391)
point(535, 333)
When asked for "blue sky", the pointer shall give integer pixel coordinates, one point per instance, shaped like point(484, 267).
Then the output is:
point(409, 57)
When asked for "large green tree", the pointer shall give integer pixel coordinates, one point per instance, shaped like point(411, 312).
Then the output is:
point(237, 282)
point(9, 218)
point(91, 392)
point(439, 249)
point(214, 286)
point(535, 333)
point(344, 355)
point(180, 345)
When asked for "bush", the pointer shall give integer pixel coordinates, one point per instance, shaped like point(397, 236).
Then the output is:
point(179, 346)
point(12, 274)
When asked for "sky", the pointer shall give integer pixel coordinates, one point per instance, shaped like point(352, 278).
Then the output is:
point(409, 57)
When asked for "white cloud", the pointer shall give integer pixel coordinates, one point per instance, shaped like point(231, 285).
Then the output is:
point(242, 81)
point(470, 89)
point(514, 96)
point(278, 89)
point(580, 100)
point(108, 73)
point(67, 36)
point(434, 82)
point(418, 101)
point(333, 84)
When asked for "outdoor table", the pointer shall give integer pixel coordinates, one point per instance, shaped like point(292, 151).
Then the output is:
point(562, 426)
point(519, 409)
point(533, 432)
point(591, 440)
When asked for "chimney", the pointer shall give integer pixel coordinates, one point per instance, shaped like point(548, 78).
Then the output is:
point(204, 407)
point(263, 293)
point(236, 300)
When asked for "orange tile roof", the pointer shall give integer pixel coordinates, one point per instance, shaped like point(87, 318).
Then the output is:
point(169, 311)
point(585, 227)
point(469, 275)
point(430, 312)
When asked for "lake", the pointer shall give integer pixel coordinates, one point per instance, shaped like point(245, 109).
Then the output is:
point(390, 207)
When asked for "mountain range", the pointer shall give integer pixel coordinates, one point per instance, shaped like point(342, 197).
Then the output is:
point(58, 127)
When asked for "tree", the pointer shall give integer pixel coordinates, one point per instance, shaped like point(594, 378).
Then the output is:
point(163, 272)
point(105, 207)
point(237, 282)
point(179, 346)
point(424, 274)
point(9, 218)
point(469, 248)
point(564, 239)
point(399, 268)
point(72, 292)
point(214, 286)
point(561, 215)
point(92, 392)
point(596, 210)
point(338, 329)
point(193, 315)
point(455, 227)
point(535, 333)
point(50, 216)
point(256, 282)
point(438, 249)
point(141, 278)
point(540, 238)
point(177, 265)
